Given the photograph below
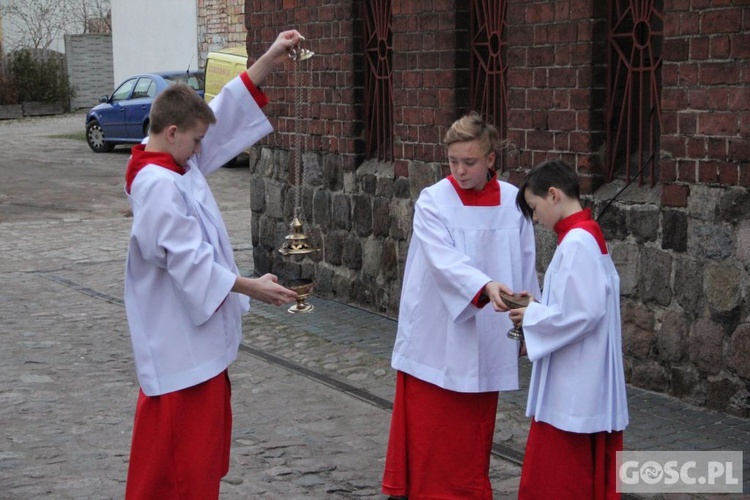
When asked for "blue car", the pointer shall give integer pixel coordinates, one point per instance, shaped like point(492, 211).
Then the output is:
point(122, 118)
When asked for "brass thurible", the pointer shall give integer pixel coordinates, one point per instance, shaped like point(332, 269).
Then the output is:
point(297, 53)
point(297, 243)
point(303, 288)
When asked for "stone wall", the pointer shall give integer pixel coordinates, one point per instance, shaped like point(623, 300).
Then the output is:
point(682, 247)
point(684, 294)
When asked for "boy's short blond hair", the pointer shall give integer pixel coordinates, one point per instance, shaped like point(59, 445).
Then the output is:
point(179, 105)
point(472, 127)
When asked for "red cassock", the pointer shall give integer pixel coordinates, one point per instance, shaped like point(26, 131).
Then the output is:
point(181, 443)
point(440, 442)
point(561, 464)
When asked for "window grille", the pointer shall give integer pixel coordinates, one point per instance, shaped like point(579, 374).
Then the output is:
point(378, 80)
point(488, 68)
point(633, 111)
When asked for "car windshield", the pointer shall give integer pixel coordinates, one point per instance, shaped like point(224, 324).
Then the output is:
point(123, 91)
point(193, 80)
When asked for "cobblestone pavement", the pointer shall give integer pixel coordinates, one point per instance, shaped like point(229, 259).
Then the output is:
point(311, 392)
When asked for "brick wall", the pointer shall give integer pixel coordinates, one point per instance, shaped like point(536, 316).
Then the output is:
point(682, 247)
point(425, 80)
point(220, 24)
point(706, 98)
point(556, 62)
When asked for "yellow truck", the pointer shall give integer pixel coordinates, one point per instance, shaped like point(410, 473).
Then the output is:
point(222, 66)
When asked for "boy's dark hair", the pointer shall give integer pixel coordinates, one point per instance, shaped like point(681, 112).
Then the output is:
point(551, 173)
point(179, 105)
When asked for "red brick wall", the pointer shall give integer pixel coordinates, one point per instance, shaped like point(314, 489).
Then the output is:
point(556, 83)
point(335, 93)
point(555, 97)
point(556, 62)
point(424, 83)
point(706, 97)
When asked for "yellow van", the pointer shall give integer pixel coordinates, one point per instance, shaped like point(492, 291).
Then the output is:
point(222, 66)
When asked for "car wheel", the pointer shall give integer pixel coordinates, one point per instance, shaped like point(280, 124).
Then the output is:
point(95, 138)
point(241, 160)
point(231, 163)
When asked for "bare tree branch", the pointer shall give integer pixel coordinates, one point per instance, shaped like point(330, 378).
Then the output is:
point(38, 23)
point(90, 16)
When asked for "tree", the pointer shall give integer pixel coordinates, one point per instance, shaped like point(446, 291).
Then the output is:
point(37, 24)
point(32, 24)
point(90, 16)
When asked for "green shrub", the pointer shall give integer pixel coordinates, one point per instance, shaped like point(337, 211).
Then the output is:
point(38, 79)
point(8, 91)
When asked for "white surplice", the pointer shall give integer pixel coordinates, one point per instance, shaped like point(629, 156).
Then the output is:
point(185, 324)
point(573, 338)
point(443, 338)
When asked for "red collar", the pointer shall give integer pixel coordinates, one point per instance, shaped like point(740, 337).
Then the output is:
point(139, 158)
point(583, 221)
point(489, 196)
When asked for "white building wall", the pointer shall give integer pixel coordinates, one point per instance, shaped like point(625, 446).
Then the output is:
point(150, 35)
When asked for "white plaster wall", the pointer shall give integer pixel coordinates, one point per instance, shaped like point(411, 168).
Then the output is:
point(150, 35)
